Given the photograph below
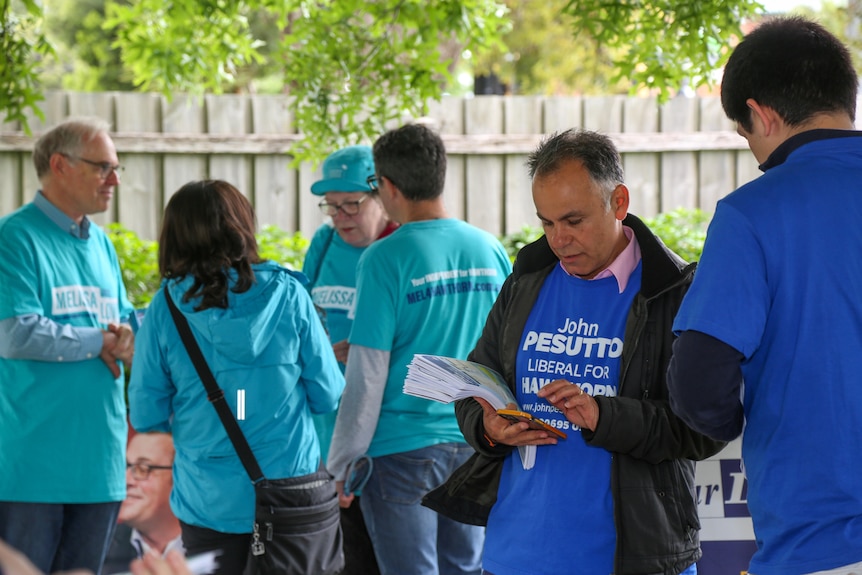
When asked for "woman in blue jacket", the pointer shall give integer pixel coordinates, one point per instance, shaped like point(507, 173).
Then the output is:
point(258, 331)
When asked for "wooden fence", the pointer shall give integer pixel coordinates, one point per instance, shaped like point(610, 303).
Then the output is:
point(684, 153)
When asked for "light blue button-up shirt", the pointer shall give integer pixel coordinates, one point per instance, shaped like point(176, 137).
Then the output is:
point(36, 337)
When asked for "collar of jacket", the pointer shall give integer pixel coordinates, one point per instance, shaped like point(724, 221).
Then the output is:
point(661, 267)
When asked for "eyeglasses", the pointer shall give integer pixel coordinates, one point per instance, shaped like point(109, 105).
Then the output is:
point(372, 183)
point(105, 168)
point(141, 471)
point(350, 208)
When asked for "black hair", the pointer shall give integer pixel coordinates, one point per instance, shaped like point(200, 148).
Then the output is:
point(413, 158)
point(208, 229)
point(595, 151)
point(794, 66)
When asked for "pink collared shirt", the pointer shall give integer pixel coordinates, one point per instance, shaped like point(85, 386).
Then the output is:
point(624, 264)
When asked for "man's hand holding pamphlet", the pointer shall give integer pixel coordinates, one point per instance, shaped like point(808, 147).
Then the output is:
point(446, 379)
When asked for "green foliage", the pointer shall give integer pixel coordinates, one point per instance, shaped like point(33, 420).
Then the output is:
point(668, 42)
point(683, 230)
point(139, 259)
point(195, 46)
point(22, 44)
point(516, 240)
point(352, 66)
point(282, 247)
point(355, 67)
point(542, 54)
point(139, 263)
point(83, 47)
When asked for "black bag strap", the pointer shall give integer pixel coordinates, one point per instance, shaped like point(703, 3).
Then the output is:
point(215, 394)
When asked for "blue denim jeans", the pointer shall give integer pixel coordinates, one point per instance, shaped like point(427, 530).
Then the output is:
point(410, 539)
point(60, 536)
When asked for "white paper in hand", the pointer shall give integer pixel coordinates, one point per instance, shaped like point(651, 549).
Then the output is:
point(446, 379)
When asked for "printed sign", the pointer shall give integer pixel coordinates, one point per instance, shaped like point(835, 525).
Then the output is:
point(727, 534)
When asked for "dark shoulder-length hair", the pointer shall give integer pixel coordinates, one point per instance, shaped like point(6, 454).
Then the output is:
point(208, 230)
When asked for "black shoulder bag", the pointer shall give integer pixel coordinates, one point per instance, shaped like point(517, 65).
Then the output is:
point(297, 529)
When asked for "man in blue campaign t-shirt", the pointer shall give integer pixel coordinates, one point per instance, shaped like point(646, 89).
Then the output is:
point(776, 303)
point(62, 411)
point(581, 332)
point(426, 288)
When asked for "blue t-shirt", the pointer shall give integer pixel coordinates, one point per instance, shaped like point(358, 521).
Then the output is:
point(563, 505)
point(780, 280)
point(426, 288)
point(62, 424)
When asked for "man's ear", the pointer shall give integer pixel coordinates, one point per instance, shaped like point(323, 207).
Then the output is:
point(764, 119)
point(620, 201)
point(388, 188)
point(58, 163)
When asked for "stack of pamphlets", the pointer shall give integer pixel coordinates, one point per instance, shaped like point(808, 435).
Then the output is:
point(446, 379)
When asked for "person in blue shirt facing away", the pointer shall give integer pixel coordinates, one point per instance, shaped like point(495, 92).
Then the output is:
point(357, 220)
point(261, 337)
point(426, 288)
point(63, 345)
point(581, 332)
point(771, 331)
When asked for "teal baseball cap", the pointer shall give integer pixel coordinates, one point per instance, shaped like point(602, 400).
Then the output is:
point(346, 170)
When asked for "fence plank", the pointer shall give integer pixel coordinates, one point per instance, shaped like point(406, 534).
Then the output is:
point(604, 113)
point(229, 114)
point(275, 182)
point(56, 109)
point(484, 115)
point(717, 172)
point(182, 115)
point(139, 196)
point(522, 116)
point(100, 105)
point(310, 217)
point(640, 115)
point(10, 182)
point(562, 113)
point(487, 138)
point(679, 169)
point(448, 114)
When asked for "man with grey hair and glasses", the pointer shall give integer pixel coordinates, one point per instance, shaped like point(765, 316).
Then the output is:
point(62, 352)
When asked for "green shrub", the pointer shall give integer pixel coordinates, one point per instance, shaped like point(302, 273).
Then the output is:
point(139, 262)
point(282, 247)
point(516, 240)
point(683, 230)
point(139, 259)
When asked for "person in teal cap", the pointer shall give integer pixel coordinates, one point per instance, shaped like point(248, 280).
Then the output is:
point(357, 219)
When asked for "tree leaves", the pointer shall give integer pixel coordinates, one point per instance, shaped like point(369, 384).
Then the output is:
point(669, 43)
point(22, 45)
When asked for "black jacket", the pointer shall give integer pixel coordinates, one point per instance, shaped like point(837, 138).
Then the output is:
point(652, 475)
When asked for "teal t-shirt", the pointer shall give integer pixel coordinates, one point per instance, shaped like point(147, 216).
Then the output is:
point(427, 288)
point(62, 424)
point(574, 332)
point(330, 264)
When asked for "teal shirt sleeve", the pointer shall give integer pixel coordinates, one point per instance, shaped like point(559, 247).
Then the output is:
point(321, 374)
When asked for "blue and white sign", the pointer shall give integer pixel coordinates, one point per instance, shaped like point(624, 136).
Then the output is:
point(727, 534)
